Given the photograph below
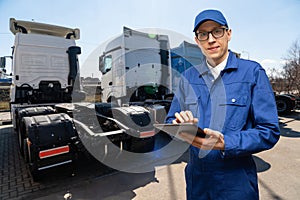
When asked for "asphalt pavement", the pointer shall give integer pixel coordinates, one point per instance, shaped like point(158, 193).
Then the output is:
point(278, 168)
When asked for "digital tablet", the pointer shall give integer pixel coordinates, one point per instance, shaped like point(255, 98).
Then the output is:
point(175, 129)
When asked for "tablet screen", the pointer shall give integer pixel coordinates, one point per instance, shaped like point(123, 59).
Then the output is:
point(175, 129)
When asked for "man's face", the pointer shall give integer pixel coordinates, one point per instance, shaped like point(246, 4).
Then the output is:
point(215, 49)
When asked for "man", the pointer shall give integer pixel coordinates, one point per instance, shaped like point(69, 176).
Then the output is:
point(233, 101)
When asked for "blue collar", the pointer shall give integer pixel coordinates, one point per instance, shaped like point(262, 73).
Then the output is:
point(232, 64)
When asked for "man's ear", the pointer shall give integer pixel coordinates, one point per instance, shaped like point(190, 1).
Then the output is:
point(229, 32)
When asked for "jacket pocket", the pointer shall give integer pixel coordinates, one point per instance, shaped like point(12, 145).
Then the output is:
point(192, 105)
point(236, 111)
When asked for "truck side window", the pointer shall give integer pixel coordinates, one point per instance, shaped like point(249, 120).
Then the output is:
point(105, 64)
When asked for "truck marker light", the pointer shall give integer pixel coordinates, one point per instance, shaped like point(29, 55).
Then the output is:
point(147, 133)
point(54, 152)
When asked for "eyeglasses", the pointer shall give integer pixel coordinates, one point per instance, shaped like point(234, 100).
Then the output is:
point(216, 33)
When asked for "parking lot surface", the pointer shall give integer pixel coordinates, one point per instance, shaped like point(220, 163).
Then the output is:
point(278, 172)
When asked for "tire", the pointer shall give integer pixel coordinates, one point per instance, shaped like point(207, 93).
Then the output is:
point(21, 136)
point(25, 151)
point(21, 142)
point(36, 175)
point(283, 106)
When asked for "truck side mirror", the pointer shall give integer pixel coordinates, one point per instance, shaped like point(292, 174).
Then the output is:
point(73, 51)
point(2, 62)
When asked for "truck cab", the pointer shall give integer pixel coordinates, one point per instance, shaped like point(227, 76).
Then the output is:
point(135, 67)
point(45, 67)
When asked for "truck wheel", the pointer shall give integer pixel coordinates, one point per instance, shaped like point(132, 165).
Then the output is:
point(36, 176)
point(25, 151)
point(282, 106)
point(35, 173)
point(21, 143)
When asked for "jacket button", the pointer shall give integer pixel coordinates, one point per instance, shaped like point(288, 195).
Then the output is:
point(233, 100)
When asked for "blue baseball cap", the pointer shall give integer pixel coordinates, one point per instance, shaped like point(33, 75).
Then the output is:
point(213, 15)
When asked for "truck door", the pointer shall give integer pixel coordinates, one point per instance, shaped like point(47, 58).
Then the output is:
point(105, 66)
point(118, 74)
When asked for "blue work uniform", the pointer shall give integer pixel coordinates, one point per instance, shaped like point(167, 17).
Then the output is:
point(240, 104)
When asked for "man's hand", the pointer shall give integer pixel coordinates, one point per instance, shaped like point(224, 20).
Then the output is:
point(213, 140)
point(184, 117)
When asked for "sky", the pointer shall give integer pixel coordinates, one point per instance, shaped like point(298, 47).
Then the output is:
point(262, 30)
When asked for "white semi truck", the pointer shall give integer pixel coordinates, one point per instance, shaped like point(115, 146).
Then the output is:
point(49, 118)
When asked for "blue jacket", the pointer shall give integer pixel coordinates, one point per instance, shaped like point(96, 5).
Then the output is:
point(240, 103)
